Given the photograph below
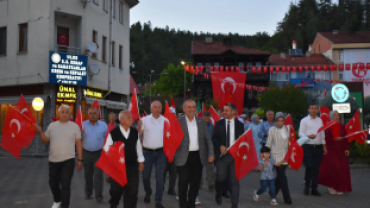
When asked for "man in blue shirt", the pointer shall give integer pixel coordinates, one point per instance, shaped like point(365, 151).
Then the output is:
point(93, 136)
point(265, 127)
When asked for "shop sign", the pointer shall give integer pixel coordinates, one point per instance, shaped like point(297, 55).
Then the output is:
point(92, 93)
point(66, 94)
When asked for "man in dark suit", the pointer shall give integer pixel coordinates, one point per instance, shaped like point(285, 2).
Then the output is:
point(195, 150)
point(225, 134)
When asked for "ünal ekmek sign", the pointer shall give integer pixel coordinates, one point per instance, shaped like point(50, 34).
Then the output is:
point(67, 69)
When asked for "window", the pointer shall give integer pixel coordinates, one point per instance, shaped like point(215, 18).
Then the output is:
point(321, 75)
point(104, 55)
point(105, 5)
point(23, 29)
point(94, 40)
point(207, 67)
point(308, 74)
point(258, 64)
point(340, 56)
point(120, 12)
point(249, 67)
point(113, 44)
point(3, 41)
point(216, 64)
point(241, 64)
point(114, 8)
point(282, 76)
point(294, 75)
point(120, 58)
point(341, 76)
point(250, 94)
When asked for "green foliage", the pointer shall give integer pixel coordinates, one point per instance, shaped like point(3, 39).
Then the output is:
point(288, 99)
point(259, 112)
point(360, 152)
point(171, 81)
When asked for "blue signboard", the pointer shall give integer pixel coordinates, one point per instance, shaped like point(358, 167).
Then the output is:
point(67, 69)
point(340, 93)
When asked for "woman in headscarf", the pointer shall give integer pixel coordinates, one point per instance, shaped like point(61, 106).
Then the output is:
point(254, 126)
point(278, 142)
point(334, 169)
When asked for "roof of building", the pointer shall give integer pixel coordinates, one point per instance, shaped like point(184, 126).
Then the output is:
point(215, 48)
point(347, 37)
point(276, 59)
point(133, 86)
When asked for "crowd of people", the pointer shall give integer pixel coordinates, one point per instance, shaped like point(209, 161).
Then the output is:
point(203, 146)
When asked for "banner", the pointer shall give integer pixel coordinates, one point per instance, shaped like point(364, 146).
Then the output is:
point(227, 83)
point(359, 72)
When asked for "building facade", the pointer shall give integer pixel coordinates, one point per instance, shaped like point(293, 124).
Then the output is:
point(66, 52)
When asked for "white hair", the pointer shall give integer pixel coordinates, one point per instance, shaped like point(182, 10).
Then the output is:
point(156, 101)
point(122, 114)
point(64, 106)
point(189, 100)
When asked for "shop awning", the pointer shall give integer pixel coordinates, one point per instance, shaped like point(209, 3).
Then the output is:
point(14, 99)
point(116, 105)
point(91, 101)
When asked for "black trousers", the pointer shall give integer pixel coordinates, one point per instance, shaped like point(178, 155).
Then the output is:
point(189, 174)
point(130, 191)
point(312, 160)
point(171, 168)
point(60, 177)
point(281, 182)
point(225, 167)
point(93, 174)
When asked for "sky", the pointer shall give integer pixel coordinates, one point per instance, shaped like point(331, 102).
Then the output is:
point(245, 17)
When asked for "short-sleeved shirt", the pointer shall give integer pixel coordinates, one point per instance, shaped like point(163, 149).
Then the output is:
point(267, 172)
point(62, 140)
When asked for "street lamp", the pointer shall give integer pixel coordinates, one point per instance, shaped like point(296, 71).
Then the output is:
point(183, 63)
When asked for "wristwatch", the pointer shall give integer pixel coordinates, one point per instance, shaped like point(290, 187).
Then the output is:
point(80, 160)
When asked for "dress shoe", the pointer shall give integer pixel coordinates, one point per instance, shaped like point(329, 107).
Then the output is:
point(289, 202)
point(306, 191)
point(159, 205)
point(234, 206)
point(172, 193)
point(147, 198)
point(218, 199)
point(315, 193)
point(99, 199)
point(226, 195)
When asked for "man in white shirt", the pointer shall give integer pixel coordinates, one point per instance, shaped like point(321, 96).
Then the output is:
point(134, 160)
point(151, 128)
point(314, 149)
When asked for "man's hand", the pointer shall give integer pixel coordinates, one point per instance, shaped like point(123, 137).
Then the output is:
point(38, 128)
point(325, 150)
point(211, 159)
point(82, 132)
point(223, 150)
point(347, 153)
point(312, 136)
point(79, 165)
point(141, 167)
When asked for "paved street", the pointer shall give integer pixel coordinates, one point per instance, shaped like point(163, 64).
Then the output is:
point(24, 183)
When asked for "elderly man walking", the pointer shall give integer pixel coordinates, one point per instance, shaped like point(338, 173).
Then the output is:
point(263, 131)
point(151, 127)
point(196, 150)
point(134, 161)
point(63, 135)
point(93, 136)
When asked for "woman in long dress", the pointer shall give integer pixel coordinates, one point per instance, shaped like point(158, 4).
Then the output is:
point(334, 169)
point(254, 126)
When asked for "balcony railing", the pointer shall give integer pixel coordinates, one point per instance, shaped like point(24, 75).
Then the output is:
point(67, 49)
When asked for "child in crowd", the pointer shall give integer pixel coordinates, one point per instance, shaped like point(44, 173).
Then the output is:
point(267, 167)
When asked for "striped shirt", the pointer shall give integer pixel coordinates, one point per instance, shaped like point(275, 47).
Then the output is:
point(278, 142)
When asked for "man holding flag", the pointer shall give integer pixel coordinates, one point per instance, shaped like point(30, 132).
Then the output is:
point(151, 128)
point(63, 135)
point(225, 134)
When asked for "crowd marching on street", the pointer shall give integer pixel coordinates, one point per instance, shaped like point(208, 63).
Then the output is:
point(204, 142)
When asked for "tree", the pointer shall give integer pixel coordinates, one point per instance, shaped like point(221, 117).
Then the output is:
point(288, 99)
point(171, 81)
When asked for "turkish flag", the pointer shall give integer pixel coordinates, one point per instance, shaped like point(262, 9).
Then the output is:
point(134, 107)
point(112, 162)
point(63, 39)
point(173, 103)
point(204, 107)
point(145, 114)
point(244, 154)
point(359, 136)
point(289, 122)
point(28, 128)
point(334, 127)
point(109, 129)
point(294, 156)
point(226, 83)
point(214, 115)
point(324, 114)
point(78, 120)
point(354, 125)
point(172, 133)
point(14, 136)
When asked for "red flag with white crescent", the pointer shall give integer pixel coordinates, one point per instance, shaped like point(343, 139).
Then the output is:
point(28, 128)
point(334, 126)
point(359, 136)
point(112, 162)
point(289, 122)
point(324, 114)
point(173, 103)
point(134, 107)
point(354, 125)
point(294, 156)
point(172, 133)
point(244, 154)
point(214, 116)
